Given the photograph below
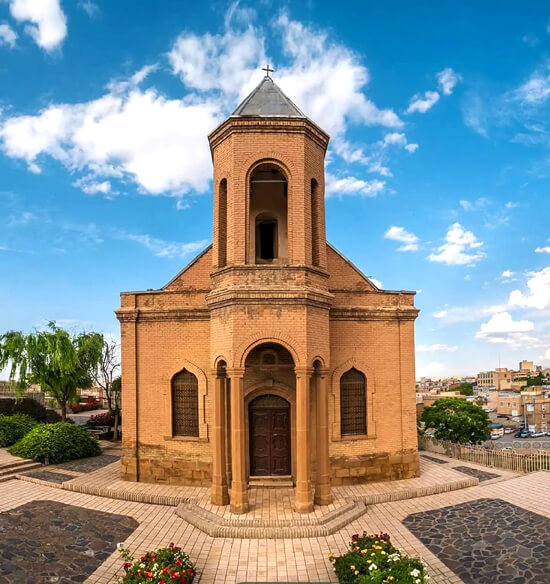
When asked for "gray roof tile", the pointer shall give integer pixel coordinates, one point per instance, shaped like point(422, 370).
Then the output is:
point(268, 100)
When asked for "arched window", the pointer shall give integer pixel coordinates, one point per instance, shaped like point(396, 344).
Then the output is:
point(315, 243)
point(185, 404)
point(353, 403)
point(222, 224)
point(268, 215)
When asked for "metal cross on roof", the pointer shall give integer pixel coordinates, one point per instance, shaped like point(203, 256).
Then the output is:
point(267, 70)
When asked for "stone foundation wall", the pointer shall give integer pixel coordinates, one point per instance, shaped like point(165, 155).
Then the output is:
point(167, 471)
point(373, 468)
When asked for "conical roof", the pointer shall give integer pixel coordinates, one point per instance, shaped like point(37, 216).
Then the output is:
point(267, 100)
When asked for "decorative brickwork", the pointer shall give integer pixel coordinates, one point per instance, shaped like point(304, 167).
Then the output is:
point(317, 314)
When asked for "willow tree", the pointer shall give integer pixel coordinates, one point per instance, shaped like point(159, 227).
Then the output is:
point(59, 362)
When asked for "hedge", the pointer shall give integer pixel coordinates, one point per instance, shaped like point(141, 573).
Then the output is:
point(14, 427)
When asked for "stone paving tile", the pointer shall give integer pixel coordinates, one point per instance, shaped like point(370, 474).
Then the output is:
point(434, 459)
point(45, 541)
point(50, 476)
point(487, 541)
point(482, 475)
point(90, 464)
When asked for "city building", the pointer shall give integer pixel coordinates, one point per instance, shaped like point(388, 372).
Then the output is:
point(270, 354)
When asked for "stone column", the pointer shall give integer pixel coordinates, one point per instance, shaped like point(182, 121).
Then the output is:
point(239, 492)
point(227, 430)
point(303, 499)
point(219, 494)
point(323, 494)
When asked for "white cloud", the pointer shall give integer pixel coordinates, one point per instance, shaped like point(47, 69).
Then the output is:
point(350, 185)
point(7, 35)
point(157, 142)
point(422, 103)
point(433, 369)
point(435, 347)
point(461, 247)
point(447, 80)
point(162, 248)
point(398, 139)
point(89, 7)
point(508, 276)
point(531, 39)
point(538, 295)
point(502, 328)
point(48, 25)
point(140, 135)
point(479, 203)
point(511, 205)
point(475, 115)
point(545, 357)
point(407, 238)
point(545, 249)
point(88, 185)
point(536, 90)
point(376, 282)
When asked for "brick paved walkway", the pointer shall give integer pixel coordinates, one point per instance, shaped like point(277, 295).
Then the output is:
point(228, 561)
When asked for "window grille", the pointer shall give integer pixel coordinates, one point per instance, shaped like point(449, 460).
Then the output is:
point(353, 406)
point(185, 404)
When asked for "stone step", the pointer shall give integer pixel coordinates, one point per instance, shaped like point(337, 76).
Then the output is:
point(8, 472)
point(271, 482)
point(217, 526)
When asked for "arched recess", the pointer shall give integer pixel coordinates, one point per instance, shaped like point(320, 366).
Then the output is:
point(280, 339)
point(222, 223)
point(334, 405)
point(268, 188)
point(268, 214)
point(202, 382)
point(315, 226)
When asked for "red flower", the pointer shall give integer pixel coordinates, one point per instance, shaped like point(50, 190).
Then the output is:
point(175, 575)
point(162, 582)
point(143, 558)
point(178, 562)
point(148, 574)
point(127, 565)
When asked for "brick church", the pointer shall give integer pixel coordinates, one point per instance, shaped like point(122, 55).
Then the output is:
point(270, 357)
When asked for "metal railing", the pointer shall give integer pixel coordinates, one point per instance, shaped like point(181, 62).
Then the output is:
point(521, 460)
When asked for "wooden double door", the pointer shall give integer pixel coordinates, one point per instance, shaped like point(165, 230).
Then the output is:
point(269, 436)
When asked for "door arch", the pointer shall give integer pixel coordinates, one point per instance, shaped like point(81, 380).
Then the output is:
point(269, 436)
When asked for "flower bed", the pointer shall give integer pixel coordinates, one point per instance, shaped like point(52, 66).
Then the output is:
point(165, 566)
point(105, 419)
point(372, 559)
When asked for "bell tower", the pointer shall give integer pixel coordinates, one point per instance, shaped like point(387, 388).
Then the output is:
point(268, 184)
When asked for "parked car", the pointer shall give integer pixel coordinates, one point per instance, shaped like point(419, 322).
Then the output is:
point(518, 434)
point(524, 434)
point(503, 416)
point(506, 448)
point(508, 430)
point(496, 436)
point(537, 434)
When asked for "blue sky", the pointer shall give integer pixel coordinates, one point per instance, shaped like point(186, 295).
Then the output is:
point(437, 173)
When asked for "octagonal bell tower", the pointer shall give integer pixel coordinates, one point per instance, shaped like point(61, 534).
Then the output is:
point(269, 279)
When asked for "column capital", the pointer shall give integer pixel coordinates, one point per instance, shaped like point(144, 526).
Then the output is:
point(236, 372)
point(303, 371)
point(323, 371)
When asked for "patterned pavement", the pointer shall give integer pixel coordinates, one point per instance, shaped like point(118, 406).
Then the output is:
point(229, 561)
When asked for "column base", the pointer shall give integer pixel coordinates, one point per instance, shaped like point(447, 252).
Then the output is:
point(323, 498)
point(239, 508)
point(219, 495)
point(303, 506)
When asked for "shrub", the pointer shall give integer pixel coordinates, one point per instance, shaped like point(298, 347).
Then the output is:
point(55, 443)
point(52, 416)
point(26, 405)
point(165, 566)
point(372, 559)
point(14, 427)
point(105, 419)
point(84, 406)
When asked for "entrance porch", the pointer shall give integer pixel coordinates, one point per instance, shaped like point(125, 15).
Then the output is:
point(270, 420)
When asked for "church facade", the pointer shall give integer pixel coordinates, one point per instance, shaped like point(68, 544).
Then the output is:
point(270, 356)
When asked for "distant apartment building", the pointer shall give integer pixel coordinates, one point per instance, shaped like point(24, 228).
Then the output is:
point(423, 400)
point(509, 403)
point(500, 378)
point(526, 367)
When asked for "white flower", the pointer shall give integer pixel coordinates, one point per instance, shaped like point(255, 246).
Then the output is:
point(373, 567)
point(415, 573)
point(119, 545)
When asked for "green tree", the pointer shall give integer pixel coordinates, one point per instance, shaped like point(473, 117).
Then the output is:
point(107, 378)
point(537, 380)
point(457, 420)
point(465, 388)
point(54, 359)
